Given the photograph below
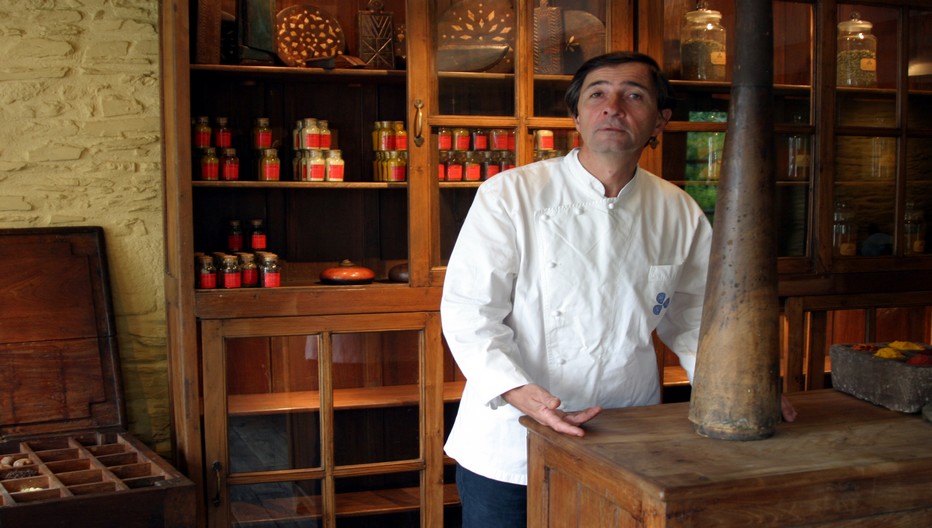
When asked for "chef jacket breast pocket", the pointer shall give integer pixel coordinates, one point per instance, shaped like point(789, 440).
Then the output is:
point(661, 283)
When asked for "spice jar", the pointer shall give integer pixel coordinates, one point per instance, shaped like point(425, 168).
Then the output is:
point(857, 53)
point(257, 241)
point(385, 136)
point(498, 138)
point(914, 230)
point(844, 231)
point(262, 134)
point(326, 139)
point(201, 133)
point(230, 276)
point(490, 166)
point(543, 140)
point(334, 165)
point(480, 139)
point(442, 160)
point(206, 272)
point(316, 171)
point(461, 139)
point(455, 166)
point(310, 135)
point(229, 165)
point(472, 170)
point(269, 165)
point(248, 270)
point(223, 136)
point(445, 138)
point(270, 273)
point(397, 167)
point(702, 45)
point(400, 135)
point(296, 135)
point(210, 165)
point(235, 237)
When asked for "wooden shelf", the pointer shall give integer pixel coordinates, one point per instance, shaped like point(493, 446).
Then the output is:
point(341, 75)
point(298, 185)
point(343, 399)
point(292, 509)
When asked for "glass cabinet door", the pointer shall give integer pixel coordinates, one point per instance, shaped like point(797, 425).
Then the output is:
point(917, 211)
point(322, 420)
point(502, 68)
point(698, 53)
point(881, 191)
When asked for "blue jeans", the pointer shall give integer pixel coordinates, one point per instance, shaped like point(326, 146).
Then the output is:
point(489, 503)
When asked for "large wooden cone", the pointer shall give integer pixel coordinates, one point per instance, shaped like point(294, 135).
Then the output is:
point(735, 392)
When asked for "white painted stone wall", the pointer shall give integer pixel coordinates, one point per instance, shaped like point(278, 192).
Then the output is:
point(80, 145)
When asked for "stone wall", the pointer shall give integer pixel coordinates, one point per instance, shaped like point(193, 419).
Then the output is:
point(80, 145)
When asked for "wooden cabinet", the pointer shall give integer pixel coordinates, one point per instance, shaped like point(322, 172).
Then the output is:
point(844, 462)
point(272, 356)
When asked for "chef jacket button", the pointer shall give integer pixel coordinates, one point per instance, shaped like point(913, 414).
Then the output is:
point(580, 211)
point(545, 217)
point(556, 313)
point(552, 264)
point(562, 361)
point(611, 205)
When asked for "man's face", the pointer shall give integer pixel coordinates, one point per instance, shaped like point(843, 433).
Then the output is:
point(618, 109)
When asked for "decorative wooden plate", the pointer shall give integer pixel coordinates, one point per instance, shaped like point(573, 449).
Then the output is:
point(480, 27)
point(304, 33)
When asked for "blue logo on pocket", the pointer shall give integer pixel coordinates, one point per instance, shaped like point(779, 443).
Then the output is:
point(662, 302)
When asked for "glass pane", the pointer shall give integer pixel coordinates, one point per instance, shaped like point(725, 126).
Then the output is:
point(693, 161)
point(363, 501)
point(475, 56)
point(866, 46)
point(865, 169)
point(376, 397)
point(454, 205)
point(273, 403)
point(692, 102)
point(866, 109)
point(293, 504)
point(920, 69)
point(918, 196)
point(859, 158)
point(792, 50)
point(698, 45)
point(566, 34)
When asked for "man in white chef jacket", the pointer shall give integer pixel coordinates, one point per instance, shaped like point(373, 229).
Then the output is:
point(561, 271)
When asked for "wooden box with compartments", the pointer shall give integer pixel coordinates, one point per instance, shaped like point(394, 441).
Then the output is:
point(65, 457)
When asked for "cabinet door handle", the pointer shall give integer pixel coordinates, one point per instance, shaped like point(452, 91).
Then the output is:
point(418, 123)
point(217, 470)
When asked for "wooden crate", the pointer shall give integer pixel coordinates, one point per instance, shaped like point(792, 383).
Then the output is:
point(62, 417)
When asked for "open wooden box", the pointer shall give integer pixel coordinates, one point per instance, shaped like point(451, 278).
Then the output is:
point(62, 416)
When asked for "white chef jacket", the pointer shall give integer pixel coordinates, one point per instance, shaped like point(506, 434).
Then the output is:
point(551, 282)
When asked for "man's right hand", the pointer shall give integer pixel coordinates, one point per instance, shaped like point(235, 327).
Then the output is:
point(534, 401)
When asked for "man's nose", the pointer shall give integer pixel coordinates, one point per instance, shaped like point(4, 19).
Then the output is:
point(614, 105)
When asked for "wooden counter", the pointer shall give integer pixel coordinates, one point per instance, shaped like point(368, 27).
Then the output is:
point(843, 462)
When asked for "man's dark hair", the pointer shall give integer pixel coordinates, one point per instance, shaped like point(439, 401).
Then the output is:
point(661, 84)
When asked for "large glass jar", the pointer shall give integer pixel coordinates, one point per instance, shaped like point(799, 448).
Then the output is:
point(702, 45)
point(857, 53)
point(844, 230)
